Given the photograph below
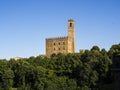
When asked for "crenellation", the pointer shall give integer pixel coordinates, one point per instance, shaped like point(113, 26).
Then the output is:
point(65, 37)
point(71, 20)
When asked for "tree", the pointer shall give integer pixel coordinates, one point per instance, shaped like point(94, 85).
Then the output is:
point(20, 68)
point(95, 48)
point(90, 70)
point(115, 49)
point(6, 75)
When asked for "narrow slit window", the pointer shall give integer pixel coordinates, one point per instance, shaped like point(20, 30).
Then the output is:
point(70, 24)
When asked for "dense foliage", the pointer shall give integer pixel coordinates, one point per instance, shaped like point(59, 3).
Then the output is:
point(90, 70)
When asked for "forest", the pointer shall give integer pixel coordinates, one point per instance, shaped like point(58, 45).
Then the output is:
point(88, 70)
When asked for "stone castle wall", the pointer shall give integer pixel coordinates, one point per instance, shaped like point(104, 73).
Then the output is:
point(56, 45)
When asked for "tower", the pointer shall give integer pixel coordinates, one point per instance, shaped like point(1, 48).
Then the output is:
point(71, 36)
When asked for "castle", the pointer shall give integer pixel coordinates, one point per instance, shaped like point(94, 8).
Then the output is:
point(63, 45)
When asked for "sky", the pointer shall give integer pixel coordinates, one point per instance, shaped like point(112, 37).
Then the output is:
point(25, 24)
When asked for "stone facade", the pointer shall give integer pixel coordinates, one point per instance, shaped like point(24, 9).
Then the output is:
point(62, 44)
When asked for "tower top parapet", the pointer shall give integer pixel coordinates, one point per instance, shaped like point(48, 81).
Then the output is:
point(71, 20)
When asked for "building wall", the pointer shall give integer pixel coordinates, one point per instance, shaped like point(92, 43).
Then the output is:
point(56, 45)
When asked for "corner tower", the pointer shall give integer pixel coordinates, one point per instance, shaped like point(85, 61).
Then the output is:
point(71, 36)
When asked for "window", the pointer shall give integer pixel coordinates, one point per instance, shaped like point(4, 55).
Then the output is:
point(54, 43)
point(59, 43)
point(63, 48)
point(59, 48)
point(54, 49)
point(70, 24)
point(63, 43)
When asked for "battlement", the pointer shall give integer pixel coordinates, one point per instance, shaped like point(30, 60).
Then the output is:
point(71, 20)
point(64, 37)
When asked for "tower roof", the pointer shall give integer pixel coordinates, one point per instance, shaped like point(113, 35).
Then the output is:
point(71, 20)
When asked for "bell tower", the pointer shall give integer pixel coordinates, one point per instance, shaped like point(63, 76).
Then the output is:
point(71, 36)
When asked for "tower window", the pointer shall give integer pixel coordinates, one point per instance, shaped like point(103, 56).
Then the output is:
point(70, 24)
point(54, 43)
point(63, 43)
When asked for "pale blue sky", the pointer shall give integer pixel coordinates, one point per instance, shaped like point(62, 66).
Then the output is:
point(24, 24)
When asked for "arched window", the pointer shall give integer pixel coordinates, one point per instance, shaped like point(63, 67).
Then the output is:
point(70, 24)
